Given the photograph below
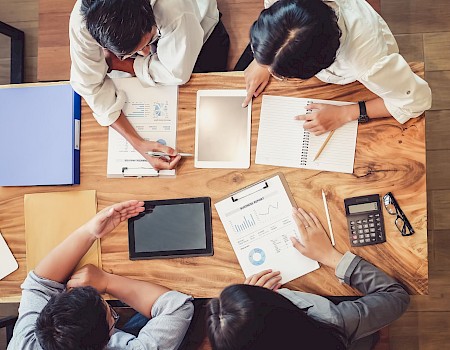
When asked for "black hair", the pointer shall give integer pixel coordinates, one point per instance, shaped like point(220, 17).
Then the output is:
point(73, 320)
point(118, 25)
point(296, 38)
point(250, 317)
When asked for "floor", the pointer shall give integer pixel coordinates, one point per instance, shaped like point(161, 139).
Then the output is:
point(422, 29)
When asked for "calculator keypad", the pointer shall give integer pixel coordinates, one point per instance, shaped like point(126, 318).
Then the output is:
point(366, 229)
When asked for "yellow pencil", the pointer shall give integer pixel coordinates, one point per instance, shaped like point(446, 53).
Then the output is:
point(324, 144)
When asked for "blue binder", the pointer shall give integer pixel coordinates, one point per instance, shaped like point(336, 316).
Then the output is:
point(39, 135)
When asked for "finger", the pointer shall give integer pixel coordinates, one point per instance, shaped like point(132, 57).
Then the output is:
point(266, 278)
point(257, 276)
point(310, 124)
point(299, 219)
point(163, 148)
point(303, 117)
point(272, 282)
point(319, 132)
point(73, 283)
point(306, 216)
point(297, 245)
point(278, 286)
point(159, 163)
point(173, 163)
point(316, 220)
point(314, 106)
point(260, 88)
point(248, 98)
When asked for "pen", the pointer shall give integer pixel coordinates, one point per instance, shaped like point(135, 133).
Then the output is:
point(328, 217)
point(324, 144)
point(162, 154)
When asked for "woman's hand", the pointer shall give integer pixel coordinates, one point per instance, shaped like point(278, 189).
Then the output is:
point(89, 275)
point(256, 79)
point(326, 117)
point(110, 217)
point(314, 243)
point(267, 279)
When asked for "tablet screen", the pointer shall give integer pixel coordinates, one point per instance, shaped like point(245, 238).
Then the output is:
point(171, 228)
point(223, 129)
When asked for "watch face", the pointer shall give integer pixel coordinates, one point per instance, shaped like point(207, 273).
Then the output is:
point(363, 119)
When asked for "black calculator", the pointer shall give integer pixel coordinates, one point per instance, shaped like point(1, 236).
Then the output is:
point(365, 220)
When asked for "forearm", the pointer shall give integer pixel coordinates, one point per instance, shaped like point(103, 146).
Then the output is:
point(124, 128)
point(139, 295)
point(375, 109)
point(62, 260)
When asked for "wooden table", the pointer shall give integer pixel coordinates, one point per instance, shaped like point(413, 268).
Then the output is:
point(389, 157)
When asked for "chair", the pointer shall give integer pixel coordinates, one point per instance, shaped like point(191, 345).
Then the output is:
point(17, 52)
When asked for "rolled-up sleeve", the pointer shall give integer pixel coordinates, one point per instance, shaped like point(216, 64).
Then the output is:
point(385, 299)
point(405, 94)
point(177, 52)
point(171, 316)
point(88, 73)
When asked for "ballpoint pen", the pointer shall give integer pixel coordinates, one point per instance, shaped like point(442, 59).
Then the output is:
point(324, 144)
point(163, 154)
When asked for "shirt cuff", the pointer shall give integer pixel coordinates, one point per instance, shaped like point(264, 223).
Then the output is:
point(113, 113)
point(346, 266)
point(140, 64)
point(398, 113)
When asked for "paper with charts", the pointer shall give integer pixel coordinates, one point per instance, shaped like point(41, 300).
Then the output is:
point(258, 221)
point(152, 111)
point(282, 141)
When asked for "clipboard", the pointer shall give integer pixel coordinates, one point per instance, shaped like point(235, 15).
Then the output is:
point(259, 224)
point(242, 193)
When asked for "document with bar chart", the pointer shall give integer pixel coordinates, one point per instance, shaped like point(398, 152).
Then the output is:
point(258, 221)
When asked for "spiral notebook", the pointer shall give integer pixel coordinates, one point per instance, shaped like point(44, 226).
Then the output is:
point(282, 141)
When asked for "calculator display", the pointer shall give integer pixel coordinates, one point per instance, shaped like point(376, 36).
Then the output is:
point(361, 208)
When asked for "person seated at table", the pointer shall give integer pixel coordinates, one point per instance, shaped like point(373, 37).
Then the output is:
point(160, 42)
point(63, 311)
point(338, 42)
point(259, 315)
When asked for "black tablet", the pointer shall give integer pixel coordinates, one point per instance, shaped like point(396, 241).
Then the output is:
point(171, 228)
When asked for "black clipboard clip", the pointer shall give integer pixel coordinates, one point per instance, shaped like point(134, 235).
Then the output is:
point(264, 183)
point(137, 172)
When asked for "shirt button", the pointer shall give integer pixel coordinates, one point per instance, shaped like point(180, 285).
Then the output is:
point(408, 92)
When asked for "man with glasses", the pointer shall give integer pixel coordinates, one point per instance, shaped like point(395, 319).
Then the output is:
point(59, 310)
point(158, 41)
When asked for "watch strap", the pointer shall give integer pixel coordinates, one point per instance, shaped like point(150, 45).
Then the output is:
point(363, 117)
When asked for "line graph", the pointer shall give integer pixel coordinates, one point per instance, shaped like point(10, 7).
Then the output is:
point(269, 208)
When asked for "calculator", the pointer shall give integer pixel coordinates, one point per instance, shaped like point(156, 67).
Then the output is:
point(365, 220)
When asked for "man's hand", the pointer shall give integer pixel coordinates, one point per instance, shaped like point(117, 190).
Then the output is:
point(162, 163)
point(110, 217)
point(315, 243)
point(256, 79)
point(114, 63)
point(89, 275)
point(267, 279)
point(325, 117)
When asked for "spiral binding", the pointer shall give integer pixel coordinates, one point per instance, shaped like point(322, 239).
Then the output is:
point(305, 143)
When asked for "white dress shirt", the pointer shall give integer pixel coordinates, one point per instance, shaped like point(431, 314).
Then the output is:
point(368, 53)
point(184, 25)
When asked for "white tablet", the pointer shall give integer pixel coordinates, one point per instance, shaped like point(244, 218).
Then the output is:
point(223, 129)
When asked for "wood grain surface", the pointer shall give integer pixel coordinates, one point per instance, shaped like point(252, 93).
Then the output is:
point(389, 157)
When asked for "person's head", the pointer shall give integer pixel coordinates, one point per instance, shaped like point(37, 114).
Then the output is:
point(296, 38)
point(78, 319)
point(122, 26)
point(249, 317)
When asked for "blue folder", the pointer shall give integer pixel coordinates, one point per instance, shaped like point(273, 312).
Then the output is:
point(39, 135)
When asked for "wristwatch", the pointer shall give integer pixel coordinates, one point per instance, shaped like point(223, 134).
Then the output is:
point(363, 117)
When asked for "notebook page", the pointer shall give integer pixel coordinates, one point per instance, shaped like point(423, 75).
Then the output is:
point(282, 141)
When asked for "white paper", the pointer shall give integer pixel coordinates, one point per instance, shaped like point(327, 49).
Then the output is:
point(8, 262)
point(282, 141)
point(259, 226)
point(152, 111)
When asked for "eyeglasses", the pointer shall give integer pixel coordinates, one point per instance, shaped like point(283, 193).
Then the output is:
point(152, 41)
point(114, 315)
point(401, 221)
